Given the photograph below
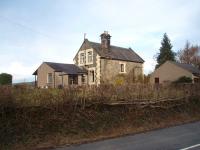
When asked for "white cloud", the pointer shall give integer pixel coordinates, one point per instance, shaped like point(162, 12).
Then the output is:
point(149, 66)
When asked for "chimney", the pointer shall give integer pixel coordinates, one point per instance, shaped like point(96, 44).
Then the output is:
point(105, 40)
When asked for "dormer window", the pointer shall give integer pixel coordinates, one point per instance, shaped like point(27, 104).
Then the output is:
point(89, 56)
point(85, 57)
point(82, 58)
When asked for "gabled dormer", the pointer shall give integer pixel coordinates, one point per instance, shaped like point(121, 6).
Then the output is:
point(85, 55)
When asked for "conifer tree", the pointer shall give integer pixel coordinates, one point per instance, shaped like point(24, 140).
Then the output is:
point(166, 52)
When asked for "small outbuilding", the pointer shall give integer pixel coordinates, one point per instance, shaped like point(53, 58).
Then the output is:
point(52, 75)
point(171, 71)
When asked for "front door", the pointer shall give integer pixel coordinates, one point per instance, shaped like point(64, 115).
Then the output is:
point(91, 77)
point(156, 80)
point(73, 79)
point(196, 80)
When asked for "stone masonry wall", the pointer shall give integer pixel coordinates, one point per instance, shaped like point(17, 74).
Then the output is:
point(111, 68)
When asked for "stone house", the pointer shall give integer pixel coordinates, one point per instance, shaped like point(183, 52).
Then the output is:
point(95, 63)
point(171, 71)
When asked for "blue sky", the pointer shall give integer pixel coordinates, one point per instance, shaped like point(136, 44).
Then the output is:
point(33, 31)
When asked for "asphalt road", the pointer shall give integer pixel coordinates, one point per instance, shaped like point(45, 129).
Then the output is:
point(183, 137)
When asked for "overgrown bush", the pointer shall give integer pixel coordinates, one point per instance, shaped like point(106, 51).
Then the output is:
point(119, 80)
point(147, 79)
point(27, 96)
point(183, 79)
point(28, 114)
point(131, 78)
point(5, 79)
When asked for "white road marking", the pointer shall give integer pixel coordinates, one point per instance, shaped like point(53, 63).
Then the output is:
point(193, 146)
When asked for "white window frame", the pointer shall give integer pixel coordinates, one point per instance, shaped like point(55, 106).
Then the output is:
point(81, 58)
point(87, 60)
point(89, 57)
point(121, 68)
point(48, 78)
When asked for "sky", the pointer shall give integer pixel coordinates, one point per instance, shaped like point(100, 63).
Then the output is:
point(34, 31)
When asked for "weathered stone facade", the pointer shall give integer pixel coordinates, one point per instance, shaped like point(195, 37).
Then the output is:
point(85, 48)
point(111, 68)
point(107, 69)
point(105, 66)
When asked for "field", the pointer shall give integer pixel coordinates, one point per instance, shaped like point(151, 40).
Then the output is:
point(44, 118)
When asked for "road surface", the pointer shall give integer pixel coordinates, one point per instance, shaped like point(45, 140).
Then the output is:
point(183, 137)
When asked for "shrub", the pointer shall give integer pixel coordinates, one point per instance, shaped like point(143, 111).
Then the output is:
point(29, 116)
point(146, 79)
point(5, 79)
point(140, 79)
point(183, 79)
point(119, 80)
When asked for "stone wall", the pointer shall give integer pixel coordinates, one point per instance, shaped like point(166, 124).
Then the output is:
point(111, 68)
point(95, 65)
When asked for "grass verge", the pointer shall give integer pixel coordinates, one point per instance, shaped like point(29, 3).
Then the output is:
point(41, 127)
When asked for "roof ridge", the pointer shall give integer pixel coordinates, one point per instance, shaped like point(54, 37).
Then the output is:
point(117, 52)
point(58, 63)
point(111, 45)
point(181, 63)
point(189, 67)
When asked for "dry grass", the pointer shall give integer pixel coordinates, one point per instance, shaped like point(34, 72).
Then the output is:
point(24, 96)
point(38, 118)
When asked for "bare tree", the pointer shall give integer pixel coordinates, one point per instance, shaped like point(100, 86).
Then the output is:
point(190, 54)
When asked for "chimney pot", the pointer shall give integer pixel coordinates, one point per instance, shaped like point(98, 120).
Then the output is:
point(105, 40)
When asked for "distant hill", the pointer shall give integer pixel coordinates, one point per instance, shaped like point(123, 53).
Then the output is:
point(32, 83)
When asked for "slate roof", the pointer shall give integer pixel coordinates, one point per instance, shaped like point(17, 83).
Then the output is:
point(189, 67)
point(66, 68)
point(117, 53)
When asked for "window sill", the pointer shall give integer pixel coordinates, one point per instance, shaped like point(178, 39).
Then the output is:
point(91, 83)
point(89, 63)
point(81, 64)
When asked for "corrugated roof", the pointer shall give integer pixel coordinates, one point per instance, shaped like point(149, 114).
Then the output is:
point(119, 53)
point(189, 67)
point(66, 68)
